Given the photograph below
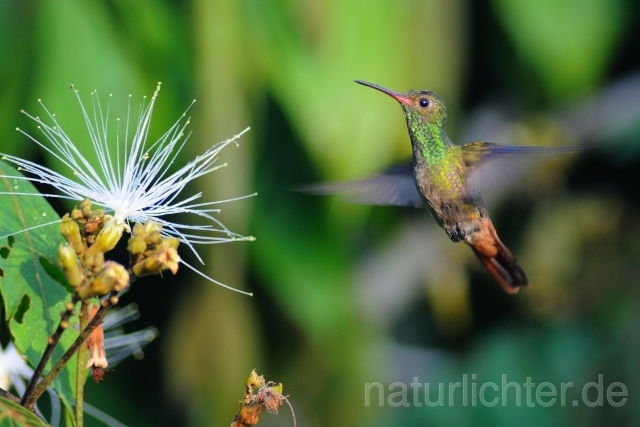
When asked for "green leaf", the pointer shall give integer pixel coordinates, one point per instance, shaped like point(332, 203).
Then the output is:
point(12, 414)
point(31, 284)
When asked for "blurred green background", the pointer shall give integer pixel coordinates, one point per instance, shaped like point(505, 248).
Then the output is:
point(348, 294)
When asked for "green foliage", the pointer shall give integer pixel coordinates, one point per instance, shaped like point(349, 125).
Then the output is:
point(568, 42)
point(14, 415)
point(31, 284)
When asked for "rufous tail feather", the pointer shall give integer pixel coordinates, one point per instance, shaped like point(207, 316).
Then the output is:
point(497, 259)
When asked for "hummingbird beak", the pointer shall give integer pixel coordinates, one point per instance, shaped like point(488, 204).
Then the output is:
point(395, 95)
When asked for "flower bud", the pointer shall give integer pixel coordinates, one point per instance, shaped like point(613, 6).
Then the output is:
point(107, 239)
point(154, 238)
point(71, 233)
point(94, 221)
point(68, 260)
point(162, 258)
point(254, 380)
point(77, 215)
point(112, 277)
point(136, 246)
point(94, 261)
point(85, 207)
point(150, 226)
point(138, 230)
point(172, 242)
point(277, 388)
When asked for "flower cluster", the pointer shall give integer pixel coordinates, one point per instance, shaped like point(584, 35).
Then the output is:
point(133, 180)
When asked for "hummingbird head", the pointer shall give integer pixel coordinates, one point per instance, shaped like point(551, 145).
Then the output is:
point(420, 107)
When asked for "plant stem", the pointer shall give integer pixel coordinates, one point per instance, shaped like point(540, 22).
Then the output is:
point(51, 345)
point(80, 369)
point(4, 393)
point(106, 304)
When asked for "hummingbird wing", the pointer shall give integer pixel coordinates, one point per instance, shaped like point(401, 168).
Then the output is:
point(487, 161)
point(395, 186)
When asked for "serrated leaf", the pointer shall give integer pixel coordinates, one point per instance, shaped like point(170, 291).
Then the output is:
point(14, 415)
point(33, 299)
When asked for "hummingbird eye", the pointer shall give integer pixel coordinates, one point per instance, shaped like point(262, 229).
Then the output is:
point(424, 102)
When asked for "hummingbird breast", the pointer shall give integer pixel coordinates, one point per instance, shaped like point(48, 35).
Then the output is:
point(455, 207)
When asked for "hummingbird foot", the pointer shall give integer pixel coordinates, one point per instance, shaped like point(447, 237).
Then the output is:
point(496, 258)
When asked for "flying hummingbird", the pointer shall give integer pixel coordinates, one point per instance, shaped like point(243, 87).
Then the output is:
point(442, 179)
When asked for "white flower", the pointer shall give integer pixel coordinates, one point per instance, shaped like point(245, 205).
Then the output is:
point(132, 182)
point(12, 367)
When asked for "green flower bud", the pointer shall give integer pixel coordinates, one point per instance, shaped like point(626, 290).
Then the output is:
point(150, 226)
point(77, 215)
point(112, 277)
point(94, 260)
point(71, 233)
point(162, 258)
point(85, 207)
point(277, 388)
point(254, 380)
point(68, 260)
point(138, 230)
point(146, 266)
point(109, 236)
point(171, 242)
point(154, 238)
point(136, 246)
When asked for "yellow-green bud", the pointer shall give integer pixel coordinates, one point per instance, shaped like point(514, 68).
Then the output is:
point(112, 277)
point(109, 236)
point(254, 380)
point(138, 230)
point(151, 226)
point(154, 238)
point(136, 246)
point(94, 260)
point(68, 260)
point(147, 266)
point(77, 214)
point(162, 258)
point(277, 388)
point(85, 207)
point(172, 242)
point(71, 232)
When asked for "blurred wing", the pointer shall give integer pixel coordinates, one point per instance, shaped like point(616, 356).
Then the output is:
point(488, 163)
point(395, 186)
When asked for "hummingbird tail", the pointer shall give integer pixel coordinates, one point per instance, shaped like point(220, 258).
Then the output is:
point(496, 258)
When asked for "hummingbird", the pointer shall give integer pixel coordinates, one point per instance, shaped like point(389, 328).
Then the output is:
point(443, 177)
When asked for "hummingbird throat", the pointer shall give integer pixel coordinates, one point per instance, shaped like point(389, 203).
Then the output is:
point(429, 141)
